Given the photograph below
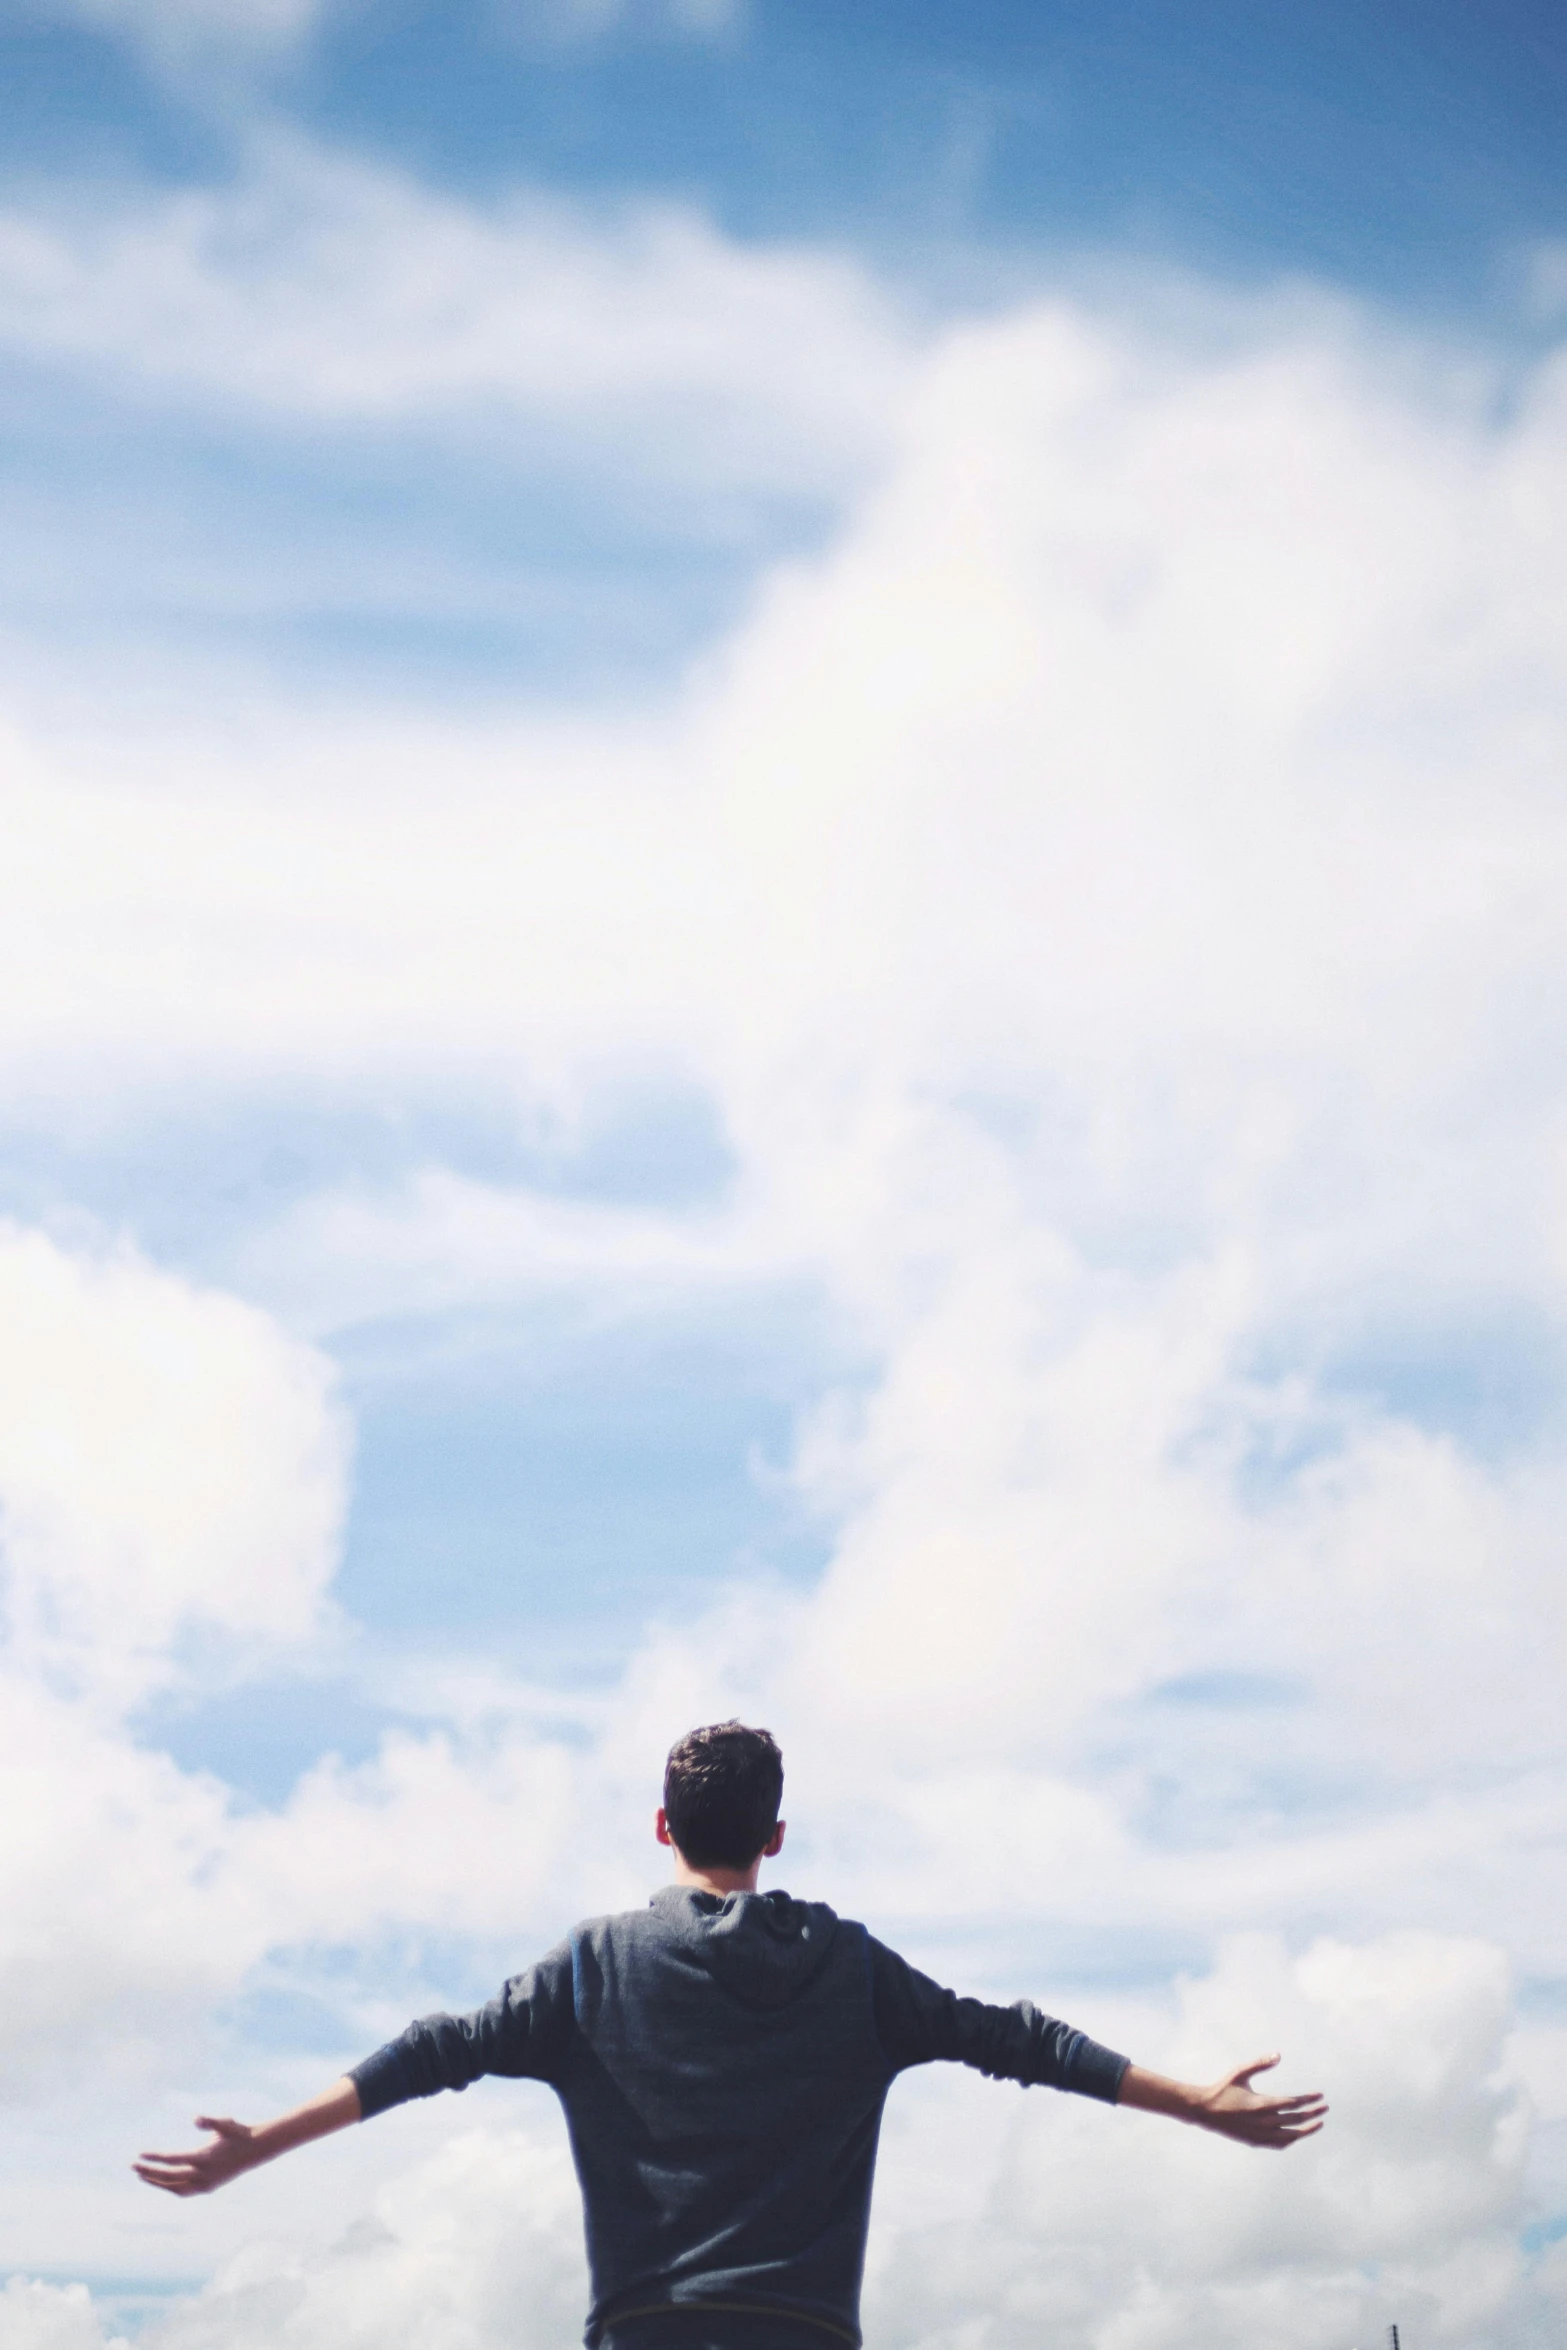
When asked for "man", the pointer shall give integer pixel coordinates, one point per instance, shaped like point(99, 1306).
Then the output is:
point(723, 2057)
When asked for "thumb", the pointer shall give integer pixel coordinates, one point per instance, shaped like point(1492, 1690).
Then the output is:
point(1245, 2074)
point(221, 2125)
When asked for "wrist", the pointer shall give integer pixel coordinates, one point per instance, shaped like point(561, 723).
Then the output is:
point(1150, 2092)
point(252, 2148)
point(1190, 2102)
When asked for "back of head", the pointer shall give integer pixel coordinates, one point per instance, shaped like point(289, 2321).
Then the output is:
point(722, 1789)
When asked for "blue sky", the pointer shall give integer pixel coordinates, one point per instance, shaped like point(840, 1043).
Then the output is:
point(1397, 150)
point(1409, 156)
point(780, 932)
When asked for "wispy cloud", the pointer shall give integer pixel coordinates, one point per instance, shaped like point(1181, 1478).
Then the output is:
point(320, 290)
point(185, 34)
point(573, 21)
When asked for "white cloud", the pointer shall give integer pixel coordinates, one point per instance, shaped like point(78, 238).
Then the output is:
point(483, 2243)
point(169, 1463)
point(323, 291)
point(113, 1946)
point(486, 1823)
point(1086, 932)
point(1072, 2226)
point(1108, 899)
point(39, 2316)
point(171, 1467)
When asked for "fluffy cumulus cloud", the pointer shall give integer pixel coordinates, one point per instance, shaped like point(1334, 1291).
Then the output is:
point(39, 2316)
point(482, 2243)
point(1082, 2229)
point(170, 1463)
point(1110, 900)
point(171, 1476)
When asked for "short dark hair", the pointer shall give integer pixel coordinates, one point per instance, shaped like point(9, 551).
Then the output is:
point(722, 1789)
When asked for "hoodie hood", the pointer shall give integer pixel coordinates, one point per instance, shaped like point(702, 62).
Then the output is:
point(762, 1948)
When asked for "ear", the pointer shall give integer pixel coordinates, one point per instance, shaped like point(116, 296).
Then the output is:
point(774, 1844)
point(661, 1828)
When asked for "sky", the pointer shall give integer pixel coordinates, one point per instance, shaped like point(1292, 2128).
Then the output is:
point(782, 853)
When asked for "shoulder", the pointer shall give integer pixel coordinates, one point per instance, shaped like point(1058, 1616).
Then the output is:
point(615, 1925)
point(616, 1933)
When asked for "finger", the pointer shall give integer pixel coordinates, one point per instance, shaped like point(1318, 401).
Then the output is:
point(188, 2155)
point(173, 2181)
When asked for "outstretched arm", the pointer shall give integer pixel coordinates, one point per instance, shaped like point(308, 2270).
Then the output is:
point(1230, 2106)
point(521, 2034)
point(918, 2022)
point(235, 2147)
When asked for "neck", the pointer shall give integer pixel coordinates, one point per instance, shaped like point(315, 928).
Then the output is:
point(716, 1880)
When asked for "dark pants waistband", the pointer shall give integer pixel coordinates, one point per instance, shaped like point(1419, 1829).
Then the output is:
point(695, 2328)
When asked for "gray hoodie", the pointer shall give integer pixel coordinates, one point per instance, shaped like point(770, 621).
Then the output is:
point(723, 2063)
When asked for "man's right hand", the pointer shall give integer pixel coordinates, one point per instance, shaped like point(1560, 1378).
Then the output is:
point(1230, 2106)
point(1233, 2108)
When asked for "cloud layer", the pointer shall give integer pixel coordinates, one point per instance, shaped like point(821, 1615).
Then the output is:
point(1109, 901)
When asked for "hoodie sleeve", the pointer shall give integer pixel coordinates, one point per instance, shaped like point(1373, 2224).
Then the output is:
point(523, 2034)
point(918, 2022)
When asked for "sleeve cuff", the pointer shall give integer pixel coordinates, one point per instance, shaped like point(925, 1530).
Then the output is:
point(381, 2081)
point(1097, 2072)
